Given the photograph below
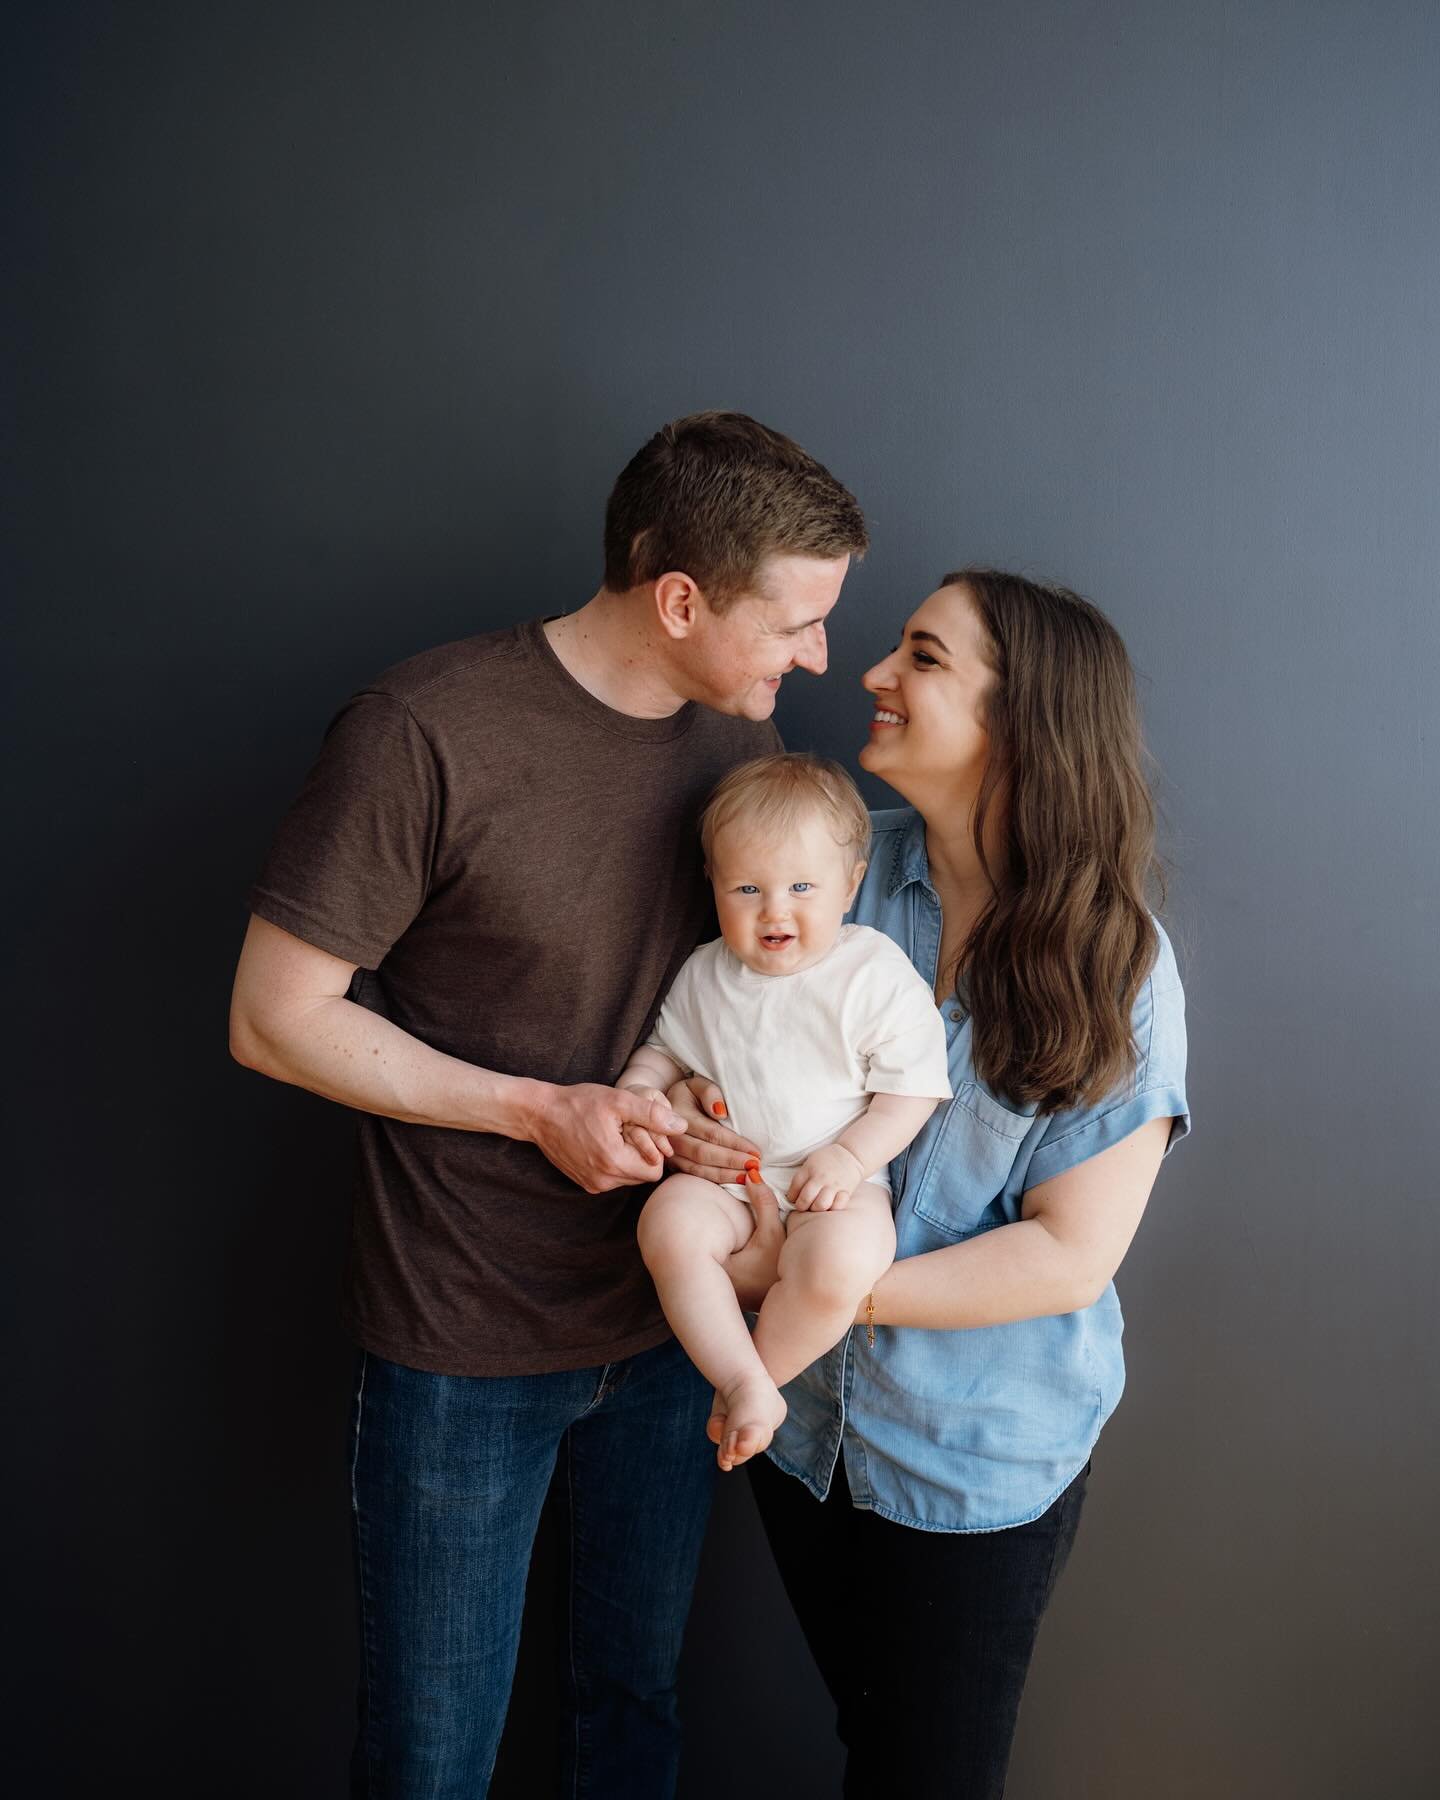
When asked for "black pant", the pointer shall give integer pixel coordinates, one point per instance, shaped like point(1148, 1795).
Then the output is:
point(922, 1637)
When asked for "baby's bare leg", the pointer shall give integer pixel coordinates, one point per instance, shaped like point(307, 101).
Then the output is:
point(830, 1262)
point(687, 1229)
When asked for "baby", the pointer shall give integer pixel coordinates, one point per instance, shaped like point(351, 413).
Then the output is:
point(831, 1055)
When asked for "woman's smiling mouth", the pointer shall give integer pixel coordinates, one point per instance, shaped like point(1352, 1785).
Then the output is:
point(883, 716)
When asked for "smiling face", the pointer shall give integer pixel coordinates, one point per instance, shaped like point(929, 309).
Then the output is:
point(928, 738)
point(734, 660)
point(781, 900)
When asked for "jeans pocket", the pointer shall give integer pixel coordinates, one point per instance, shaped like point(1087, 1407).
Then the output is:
point(967, 1170)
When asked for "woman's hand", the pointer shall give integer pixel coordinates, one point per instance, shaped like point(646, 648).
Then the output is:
point(755, 1267)
point(707, 1148)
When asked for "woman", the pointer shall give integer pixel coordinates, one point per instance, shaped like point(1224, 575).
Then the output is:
point(923, 1494)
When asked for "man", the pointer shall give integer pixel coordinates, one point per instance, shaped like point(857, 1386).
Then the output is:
point(466, 923)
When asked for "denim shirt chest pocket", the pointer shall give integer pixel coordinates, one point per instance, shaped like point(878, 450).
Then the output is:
point(970, 1161)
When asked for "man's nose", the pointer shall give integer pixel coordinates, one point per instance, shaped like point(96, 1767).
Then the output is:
point(811, 652)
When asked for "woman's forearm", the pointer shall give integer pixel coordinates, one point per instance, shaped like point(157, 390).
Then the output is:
point(1014, 1272)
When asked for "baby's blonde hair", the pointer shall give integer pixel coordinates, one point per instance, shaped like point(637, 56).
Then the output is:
point(773, 794)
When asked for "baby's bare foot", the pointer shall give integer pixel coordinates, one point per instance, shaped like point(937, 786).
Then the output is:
point(753, 1414)
point(715, 1424)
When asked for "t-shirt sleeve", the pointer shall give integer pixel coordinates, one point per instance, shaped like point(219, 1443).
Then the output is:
point(906, 1051)
point(668, 1032)
point(1157, 1092)
point(350, 865)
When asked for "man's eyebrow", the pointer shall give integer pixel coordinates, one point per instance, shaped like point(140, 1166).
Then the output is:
point(929, 637)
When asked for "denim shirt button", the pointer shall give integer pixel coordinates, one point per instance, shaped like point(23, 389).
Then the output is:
point(957, 1016)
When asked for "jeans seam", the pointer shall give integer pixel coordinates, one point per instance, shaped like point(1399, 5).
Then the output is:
point(362, 1567)
point(575, 1781)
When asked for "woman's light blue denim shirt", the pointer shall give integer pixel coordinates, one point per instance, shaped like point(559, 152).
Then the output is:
point(981, 1429)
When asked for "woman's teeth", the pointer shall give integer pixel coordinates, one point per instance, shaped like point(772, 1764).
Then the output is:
point(882, 717)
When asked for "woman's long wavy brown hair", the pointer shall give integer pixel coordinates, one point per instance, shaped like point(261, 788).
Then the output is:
point(1055, 961)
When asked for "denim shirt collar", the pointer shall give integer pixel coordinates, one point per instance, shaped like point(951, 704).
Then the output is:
point(909, 859)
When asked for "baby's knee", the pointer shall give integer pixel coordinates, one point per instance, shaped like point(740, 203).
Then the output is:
point(837, 1272)
point(674, 1222)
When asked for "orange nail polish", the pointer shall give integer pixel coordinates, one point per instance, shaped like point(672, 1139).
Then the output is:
point(718, 1108)
point(743, 1178)
point(752, 1165)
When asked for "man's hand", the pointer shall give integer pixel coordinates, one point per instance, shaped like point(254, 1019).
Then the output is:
point(582, 1130)
point(707, 1148)
point(826, 1179)
point(755, 1267)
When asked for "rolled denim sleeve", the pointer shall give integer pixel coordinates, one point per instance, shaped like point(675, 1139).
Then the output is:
point(1157, 1091)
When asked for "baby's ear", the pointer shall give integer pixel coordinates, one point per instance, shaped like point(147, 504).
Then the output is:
point(856, 875)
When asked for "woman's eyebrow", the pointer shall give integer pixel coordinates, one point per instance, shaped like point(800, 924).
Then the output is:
point(929, 637)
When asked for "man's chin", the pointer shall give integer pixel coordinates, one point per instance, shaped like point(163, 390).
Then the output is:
point(755, 707)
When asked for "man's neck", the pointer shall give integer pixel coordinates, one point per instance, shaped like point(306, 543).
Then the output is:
point(612, 650)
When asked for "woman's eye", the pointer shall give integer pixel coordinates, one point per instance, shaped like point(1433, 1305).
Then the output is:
point(924, 659)
point(801, 887)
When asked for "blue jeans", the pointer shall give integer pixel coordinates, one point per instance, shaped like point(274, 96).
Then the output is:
point(448, 1479)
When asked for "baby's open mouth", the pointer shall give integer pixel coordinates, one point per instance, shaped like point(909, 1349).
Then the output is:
point(777, 940)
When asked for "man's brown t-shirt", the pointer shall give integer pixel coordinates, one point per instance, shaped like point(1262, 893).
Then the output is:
point(515, 870)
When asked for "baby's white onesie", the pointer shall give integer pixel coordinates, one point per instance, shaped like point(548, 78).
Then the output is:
point(797, 1057)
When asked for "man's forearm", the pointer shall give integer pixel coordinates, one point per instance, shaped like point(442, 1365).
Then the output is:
point(346, 1053)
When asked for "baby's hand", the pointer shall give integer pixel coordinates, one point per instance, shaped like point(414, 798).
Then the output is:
point(826, 1179)
point(649, 1093)
point(653, 1149)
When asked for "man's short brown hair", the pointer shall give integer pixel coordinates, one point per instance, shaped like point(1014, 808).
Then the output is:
point(713, 495)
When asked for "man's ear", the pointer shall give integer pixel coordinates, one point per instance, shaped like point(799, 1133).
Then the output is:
point(678, 602)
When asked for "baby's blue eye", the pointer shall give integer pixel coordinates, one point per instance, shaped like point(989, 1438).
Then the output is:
point(801, 887)
point(747, 887)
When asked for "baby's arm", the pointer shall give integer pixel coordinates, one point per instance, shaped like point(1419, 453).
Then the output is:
point(650, 1070)
point(829, 1176)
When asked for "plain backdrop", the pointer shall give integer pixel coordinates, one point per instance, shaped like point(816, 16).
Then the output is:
point(328, 327)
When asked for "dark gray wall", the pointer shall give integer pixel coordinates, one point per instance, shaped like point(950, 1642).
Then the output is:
point(333, 324)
